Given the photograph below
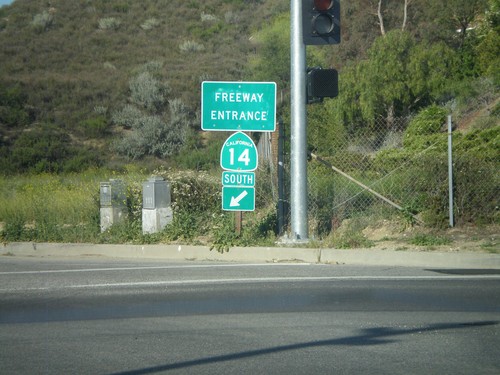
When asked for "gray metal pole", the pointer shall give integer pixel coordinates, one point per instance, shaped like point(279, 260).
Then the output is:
point(298, 154)
point(450, 173)
point(281, 179)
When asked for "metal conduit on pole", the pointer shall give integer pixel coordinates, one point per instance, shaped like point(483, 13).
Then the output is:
point(298, 154)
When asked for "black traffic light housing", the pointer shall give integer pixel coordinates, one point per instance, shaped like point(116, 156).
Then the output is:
point(321, 22)
point(321, 83)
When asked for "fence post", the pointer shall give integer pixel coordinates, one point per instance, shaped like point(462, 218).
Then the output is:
point(450, 173)
point(282, 211)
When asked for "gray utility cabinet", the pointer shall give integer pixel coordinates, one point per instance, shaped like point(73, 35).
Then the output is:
point(113, 199)
point(112, 193)
point(156, 210)
point(155, 193)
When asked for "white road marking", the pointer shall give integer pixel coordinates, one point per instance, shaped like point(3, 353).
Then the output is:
point(151, 268)
point(257, 280)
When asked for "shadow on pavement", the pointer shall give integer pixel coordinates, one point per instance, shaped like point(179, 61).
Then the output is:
point(372, 336)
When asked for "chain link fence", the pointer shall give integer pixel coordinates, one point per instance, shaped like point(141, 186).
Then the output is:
point(373, 174)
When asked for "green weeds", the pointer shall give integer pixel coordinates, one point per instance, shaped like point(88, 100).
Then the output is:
point(423, 239)
point(65, 208)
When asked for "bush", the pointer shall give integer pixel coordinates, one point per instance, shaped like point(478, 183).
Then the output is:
point(41, 149)
point(42, 21)
point(200, 158)
point(109, 23)
point(481, 143)
point(150, 24)
point(147, 92)
point(190, 46)
point(428, 121)
point(12, 103)
point(95, 127)
point(49, 208)
point(156, 130)
point(477, 189)
point(47, 148)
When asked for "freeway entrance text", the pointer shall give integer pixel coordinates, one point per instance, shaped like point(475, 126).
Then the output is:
point(243, 106)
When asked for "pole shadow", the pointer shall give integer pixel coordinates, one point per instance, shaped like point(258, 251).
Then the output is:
point(367, 337)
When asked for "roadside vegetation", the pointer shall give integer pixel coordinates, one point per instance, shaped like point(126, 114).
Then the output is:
point(111, 89)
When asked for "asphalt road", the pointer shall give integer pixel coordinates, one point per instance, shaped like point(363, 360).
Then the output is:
point(101, 316)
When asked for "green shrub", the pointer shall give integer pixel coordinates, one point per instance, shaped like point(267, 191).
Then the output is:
point(199, 158)
point(191, 46)
point(121, 7)
point(95, 127)
point(481, 143)
point(42, 149)
point(150, 24)
point(183, 227)
point(477, 189)
point(390, 159)
point(42, 21)
point(12, 107)
point(350, 234)
point(423, 239)
point(109, 23)
point(427, 122)
point(158, 129)
point(47, 148)
point(147, 92)
point(49, 208)
point(223, 234)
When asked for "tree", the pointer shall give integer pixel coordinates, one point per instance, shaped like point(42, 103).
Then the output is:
point(463, 13)
point(398, 77)
point(380, 15)
point(384, 76)
point(452, 19)
point(272, 62)
point(488, 48)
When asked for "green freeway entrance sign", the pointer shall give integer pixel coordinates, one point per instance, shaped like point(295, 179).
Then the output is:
point(246, 106)
point(238, 198)
point(239, 153)
point(238, 179)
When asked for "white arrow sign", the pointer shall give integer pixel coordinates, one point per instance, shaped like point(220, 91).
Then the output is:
point(235, 202)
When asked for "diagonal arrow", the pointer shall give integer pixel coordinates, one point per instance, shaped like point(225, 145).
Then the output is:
point(235, 201)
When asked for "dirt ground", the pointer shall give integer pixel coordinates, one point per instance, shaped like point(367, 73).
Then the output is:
point(390, 236)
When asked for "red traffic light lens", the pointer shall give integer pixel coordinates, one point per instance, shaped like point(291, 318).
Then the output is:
point(323, 5)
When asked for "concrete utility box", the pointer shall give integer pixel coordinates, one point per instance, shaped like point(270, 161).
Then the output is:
point(113, 199)
point(155, 193)
point(156, 210)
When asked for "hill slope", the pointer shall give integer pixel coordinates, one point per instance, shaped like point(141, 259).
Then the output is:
point(72, 60)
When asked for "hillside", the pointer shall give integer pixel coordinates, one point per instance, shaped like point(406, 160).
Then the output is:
point(71, 61)
point(73, 73)
point(94, 46)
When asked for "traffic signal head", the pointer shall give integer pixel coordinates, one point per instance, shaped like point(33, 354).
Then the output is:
point(321, 83)
point(321, 22)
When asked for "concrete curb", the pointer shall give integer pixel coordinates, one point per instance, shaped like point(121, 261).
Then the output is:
point(259, 255)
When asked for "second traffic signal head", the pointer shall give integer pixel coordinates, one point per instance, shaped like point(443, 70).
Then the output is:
point(321, 22)
point(321, 83)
